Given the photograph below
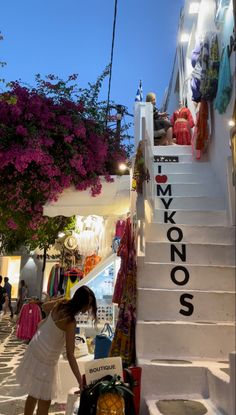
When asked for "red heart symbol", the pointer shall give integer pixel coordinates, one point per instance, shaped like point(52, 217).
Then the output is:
point(161, 178)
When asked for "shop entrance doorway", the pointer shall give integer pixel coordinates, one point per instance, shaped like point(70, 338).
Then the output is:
point(10, 267)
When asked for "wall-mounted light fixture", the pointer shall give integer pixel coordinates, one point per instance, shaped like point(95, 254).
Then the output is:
point(123, 167)
point(194, 7)
point(231, 123)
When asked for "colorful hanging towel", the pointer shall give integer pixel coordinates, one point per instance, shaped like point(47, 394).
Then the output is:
point(224, 85)
point(210, 81)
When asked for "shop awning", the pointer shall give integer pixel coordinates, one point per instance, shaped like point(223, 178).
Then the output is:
point(114, 199)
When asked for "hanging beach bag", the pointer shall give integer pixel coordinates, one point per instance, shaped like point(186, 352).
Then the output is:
point(81, 347)
point(103, 342)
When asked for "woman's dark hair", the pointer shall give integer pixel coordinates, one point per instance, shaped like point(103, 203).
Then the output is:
point(22, 282)
point(82, 298)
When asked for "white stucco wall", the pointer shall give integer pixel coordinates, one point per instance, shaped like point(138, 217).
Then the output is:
point(31, 272)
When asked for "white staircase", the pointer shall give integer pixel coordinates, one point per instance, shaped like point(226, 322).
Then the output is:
point(186, 286)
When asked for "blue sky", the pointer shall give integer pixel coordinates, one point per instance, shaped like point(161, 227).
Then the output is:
point(74, 36)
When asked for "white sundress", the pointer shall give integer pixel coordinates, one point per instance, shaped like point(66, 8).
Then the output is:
point(38, 370)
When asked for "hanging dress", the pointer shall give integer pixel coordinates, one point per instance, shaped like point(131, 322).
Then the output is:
point(182, 122)
point(201, 131)
point(29, 318)
point(196, 73)
point(38, 370)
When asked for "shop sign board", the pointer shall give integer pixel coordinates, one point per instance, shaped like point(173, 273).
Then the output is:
point(166, 159)
point(98, 368)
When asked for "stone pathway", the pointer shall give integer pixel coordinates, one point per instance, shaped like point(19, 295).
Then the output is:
point(12, 349)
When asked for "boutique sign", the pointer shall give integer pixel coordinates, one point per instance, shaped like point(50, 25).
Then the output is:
point(179, 274)
point(98, 368)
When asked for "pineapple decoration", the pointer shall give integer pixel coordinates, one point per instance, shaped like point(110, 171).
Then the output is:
point(111, 397)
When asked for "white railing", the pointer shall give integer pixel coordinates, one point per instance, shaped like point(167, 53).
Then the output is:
point(143, 131)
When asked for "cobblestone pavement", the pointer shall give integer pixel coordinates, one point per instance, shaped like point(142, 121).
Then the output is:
point(12, 349)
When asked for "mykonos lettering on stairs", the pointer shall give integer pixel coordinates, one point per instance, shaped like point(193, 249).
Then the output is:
point(175, 234)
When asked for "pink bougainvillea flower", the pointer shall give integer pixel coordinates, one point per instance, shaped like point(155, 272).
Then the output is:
point(68, 139)
point(12, 224)
point(48, 142)
point(80, 131)
point(21, 130)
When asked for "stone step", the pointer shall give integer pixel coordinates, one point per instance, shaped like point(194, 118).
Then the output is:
point(190, 202)
point(196, 379)
point(200, 234)
point(197, 406)
point(184, 340)
point(191, 217)
point(210, 277)
point(185, 189)
point(173, 378)
point(183, 167)
point(184, 379)
point(180, 253)
point(165, 305)
point(172, 150)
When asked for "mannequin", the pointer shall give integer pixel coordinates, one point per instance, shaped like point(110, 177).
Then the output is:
point(182, 122)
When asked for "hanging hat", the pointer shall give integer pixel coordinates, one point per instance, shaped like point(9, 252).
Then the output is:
point(71, 243)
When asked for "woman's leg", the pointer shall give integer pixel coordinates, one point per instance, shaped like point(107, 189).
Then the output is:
point(30, 404)
point(43, 407)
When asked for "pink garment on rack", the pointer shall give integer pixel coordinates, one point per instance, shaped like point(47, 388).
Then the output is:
point(123, 252)
point(29, 318)
point(120, 227)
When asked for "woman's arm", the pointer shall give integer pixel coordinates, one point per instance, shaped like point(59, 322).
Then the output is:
point(70, 347)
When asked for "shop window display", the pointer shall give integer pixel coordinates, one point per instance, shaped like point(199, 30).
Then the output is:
point(83, 250)
point(103, 286)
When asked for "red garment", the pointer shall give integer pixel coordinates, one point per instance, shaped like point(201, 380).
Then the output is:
point(120, 227)
point(123, 252)
point(182, 122)
point(29, 318)
point(202, 126)
point(200, 134)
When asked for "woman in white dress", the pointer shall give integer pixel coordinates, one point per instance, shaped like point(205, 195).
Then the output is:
point(38, 370)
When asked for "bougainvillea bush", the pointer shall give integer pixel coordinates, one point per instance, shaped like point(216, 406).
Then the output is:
point(51, 138)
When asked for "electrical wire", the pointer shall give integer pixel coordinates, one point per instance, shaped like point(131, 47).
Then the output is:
point(111, 61)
